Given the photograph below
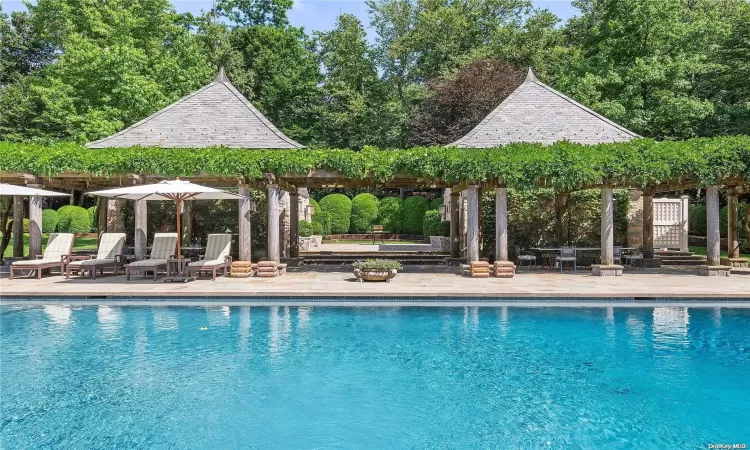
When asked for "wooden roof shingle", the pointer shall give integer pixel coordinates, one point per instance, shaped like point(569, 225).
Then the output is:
point(217, 114)
point(535, 112)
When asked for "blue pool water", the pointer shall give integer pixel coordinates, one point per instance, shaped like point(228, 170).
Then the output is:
point(277, 377)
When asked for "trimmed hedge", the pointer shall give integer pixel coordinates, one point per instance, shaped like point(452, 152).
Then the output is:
point(49, 220)
point(305, 228)
point(339, 207)
point(318, 219)
point(364, 213)
point(414, 209)
point(390, 214)
point(435, 203)
point(73, 219)
point(431, 223)
point(697, 220)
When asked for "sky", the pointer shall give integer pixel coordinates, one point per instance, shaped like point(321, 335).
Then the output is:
point(320, 15)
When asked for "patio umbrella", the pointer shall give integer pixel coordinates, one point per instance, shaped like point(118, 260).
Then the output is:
point(12, 189)
point(175, 190)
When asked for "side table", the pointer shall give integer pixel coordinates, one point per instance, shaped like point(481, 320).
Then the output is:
point(177, 265)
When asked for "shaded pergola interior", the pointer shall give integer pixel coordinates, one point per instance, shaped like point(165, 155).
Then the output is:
point(533, 110)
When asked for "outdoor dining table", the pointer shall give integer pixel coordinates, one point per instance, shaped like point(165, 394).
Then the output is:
point(548, 254)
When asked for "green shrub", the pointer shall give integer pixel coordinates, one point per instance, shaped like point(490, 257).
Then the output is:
point(431, 223)
point(49, 220)
point(93, 216)
point(414, 209)
point(445, 228)
point(73, 219)
point(390, 214)
point(364, 213)
point(340, 209)
point(305, 228)
point(435, 203)
point(697, 220)
point(316, 205)
point(26, 225)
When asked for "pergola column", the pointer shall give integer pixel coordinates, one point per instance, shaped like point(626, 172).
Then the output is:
point(18, 227)
point(35, 225)
point(713, 236)
point(455, 225)
point(501, 224)
point(684, 245)
point(115, 221)
point(607, 266)
point(293, 225)
point(472, 226)
point(101, 215)
point(187, 221)
point(648, 232)
point(244, 211)
point(274, 193)
point(141, 233)
point(733, 240)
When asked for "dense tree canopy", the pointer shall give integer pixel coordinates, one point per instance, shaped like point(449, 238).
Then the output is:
point(73, 70)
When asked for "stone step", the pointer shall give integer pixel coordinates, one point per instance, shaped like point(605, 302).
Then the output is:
point(350, 259)
point(684, 262)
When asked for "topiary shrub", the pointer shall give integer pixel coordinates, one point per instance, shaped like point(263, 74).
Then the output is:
point(414, 209)
point(697, 220)
point(445, 228)
point(390, 214)
point(26, 225)
point(49, 221)
point(305, 228)
point(339, 207)
point(364, 213)
point(435, 203)
point(431, 223)
point(93, 216)
point(316, 206)
point(73, 219)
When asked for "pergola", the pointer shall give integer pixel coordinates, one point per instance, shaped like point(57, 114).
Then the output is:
point(218, 114)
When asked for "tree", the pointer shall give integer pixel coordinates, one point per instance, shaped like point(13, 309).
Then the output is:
point(22, 51)
point(250, 13)
point(458, 103)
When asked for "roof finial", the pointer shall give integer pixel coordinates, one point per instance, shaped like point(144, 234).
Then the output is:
point(221, 77)
point(530, 75)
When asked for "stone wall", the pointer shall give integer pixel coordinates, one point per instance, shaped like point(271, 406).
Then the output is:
point(635, 219)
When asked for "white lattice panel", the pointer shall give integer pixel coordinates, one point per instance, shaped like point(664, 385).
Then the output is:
point(670, 223)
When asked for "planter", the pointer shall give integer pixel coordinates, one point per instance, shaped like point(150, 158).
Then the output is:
point(441, 243)
point(374, 275)
point(316, 241)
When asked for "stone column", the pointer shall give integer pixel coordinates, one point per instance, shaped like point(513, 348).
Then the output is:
point(472, 227)
point(607, 256)
point(35, 225)
point(648, 226)
point(140, 240)
point(101, 215)
point(293, 225)
point(187, 221)
point(455, 219)
point(501, 224)
point(115, 222)
point(274, 193)
point(244, 211)
point(733, 241)
point(713, 238)
point(684, 224)
point(607, 266)
point(18, 227)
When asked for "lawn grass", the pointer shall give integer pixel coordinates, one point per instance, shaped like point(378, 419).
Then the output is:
point(702, 251)
point(80, 243)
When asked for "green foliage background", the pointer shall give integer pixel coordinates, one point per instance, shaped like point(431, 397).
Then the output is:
point(49, 220)
point(390, 214)
point(414, 209)
point(364, 213)
point(339, 207)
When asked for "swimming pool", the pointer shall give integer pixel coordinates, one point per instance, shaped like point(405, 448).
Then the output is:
point(320, 377)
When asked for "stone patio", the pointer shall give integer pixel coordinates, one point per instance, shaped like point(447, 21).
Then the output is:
point(413, 281)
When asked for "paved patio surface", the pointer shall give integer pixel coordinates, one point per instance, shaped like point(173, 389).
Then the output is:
point(413, 281)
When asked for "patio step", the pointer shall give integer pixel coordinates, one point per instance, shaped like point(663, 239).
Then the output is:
point(677, 258)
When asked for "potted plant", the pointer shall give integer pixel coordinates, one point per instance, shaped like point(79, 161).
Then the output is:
point(439, 232)
point(376, 270)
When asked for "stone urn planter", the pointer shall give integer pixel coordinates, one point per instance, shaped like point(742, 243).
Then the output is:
point(316, 240)
point(441, 243)
point(376, 270)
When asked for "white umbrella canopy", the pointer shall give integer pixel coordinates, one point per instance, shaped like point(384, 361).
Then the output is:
point(12, 189)
point(176, 190)
point(168, 190)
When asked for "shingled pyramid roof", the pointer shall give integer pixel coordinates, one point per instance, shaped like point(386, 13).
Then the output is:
point(535, 112)
point(216, 114)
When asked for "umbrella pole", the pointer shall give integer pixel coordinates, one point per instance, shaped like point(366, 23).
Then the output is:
point(179, 235)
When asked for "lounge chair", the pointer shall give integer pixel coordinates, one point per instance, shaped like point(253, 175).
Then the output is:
point(522, 256)
point(217, 256)
point(56, 254)
point(109, 254)
point(567, 254)
point(162, 250)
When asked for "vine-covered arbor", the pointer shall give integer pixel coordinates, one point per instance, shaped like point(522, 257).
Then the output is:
point(216, 137)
